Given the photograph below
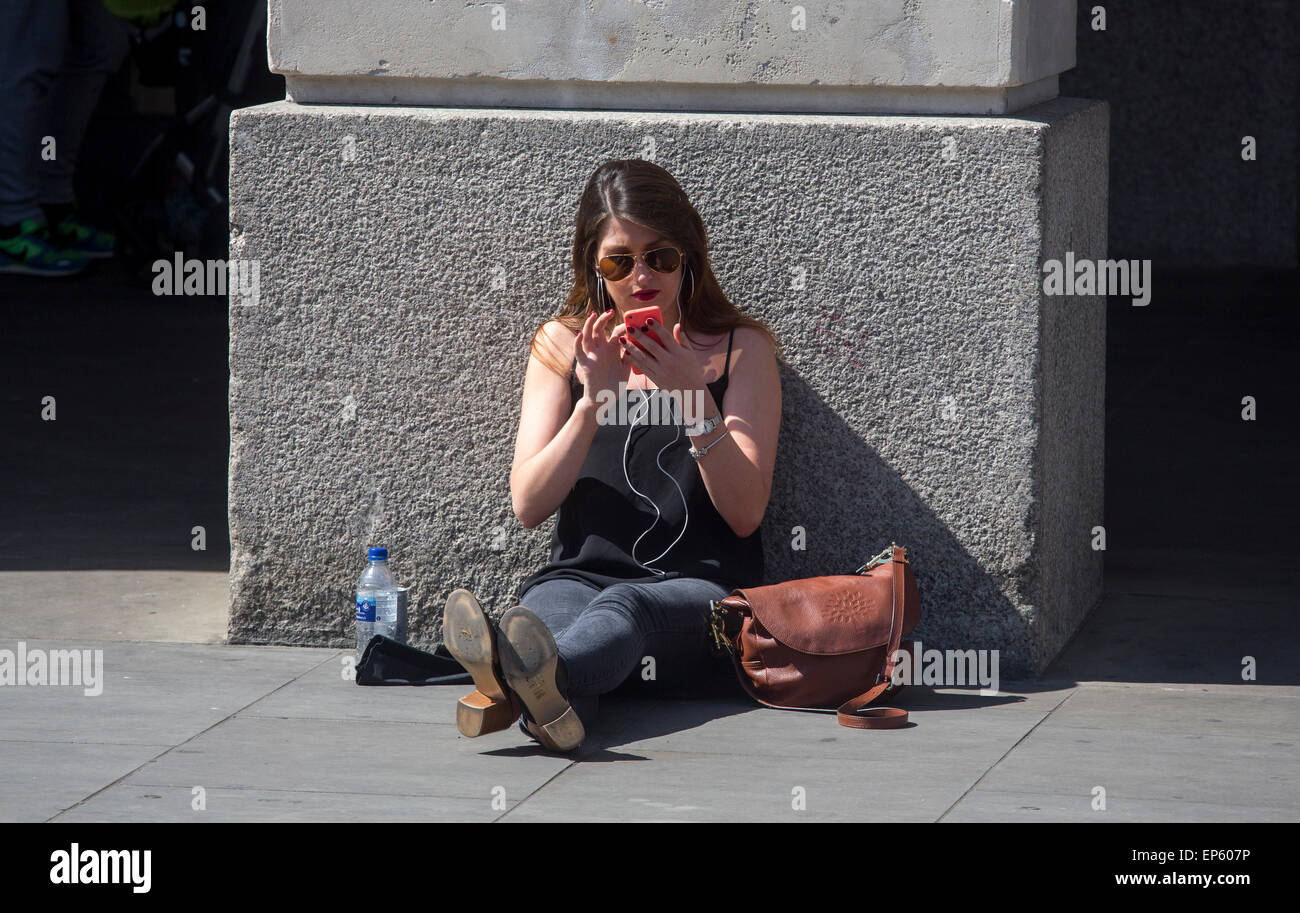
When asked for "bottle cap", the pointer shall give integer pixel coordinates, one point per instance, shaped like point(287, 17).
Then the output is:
point(379, 554)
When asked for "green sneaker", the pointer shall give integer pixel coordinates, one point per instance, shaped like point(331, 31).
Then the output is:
point(72, 234)
point(34, 253)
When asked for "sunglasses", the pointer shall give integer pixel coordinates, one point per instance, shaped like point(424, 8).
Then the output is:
point(662, 260)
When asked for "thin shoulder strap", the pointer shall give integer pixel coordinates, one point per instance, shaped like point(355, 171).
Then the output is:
point(726, 369)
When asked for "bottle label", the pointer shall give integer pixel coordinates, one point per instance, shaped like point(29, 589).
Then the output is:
point(365, 610)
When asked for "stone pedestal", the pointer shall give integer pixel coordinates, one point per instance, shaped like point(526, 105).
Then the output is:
point(933, 396)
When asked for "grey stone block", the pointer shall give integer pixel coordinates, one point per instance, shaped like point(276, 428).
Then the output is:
point(933, 394)
point(933, 56)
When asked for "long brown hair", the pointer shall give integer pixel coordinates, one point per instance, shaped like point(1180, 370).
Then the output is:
point(642, 192)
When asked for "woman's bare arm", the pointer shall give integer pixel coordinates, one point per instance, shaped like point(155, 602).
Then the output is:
point(553, 440)
point(738, 471)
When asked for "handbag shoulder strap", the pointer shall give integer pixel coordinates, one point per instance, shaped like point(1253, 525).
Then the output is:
point(854, 713)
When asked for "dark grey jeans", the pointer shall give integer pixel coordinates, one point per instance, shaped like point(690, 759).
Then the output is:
point(652, 636)
point(55, 56)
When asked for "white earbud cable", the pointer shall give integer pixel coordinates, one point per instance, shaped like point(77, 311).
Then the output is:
point(658, 514)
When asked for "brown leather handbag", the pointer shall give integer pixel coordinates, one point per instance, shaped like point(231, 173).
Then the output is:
point(824, 643)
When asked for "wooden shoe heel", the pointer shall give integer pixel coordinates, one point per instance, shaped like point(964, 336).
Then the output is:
point(566, 733)
point(478, 714)
point(469, 638)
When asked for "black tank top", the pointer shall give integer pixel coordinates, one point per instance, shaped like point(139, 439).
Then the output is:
point(601, 518)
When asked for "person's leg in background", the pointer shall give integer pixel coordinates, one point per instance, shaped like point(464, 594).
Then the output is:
point(97, 43)
point(33, 34)
point(667, 621)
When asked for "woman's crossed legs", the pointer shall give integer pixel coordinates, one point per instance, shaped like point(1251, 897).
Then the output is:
point(656, 632)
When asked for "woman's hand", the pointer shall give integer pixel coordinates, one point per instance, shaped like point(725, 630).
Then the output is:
point(670, 364)
point(599, 363)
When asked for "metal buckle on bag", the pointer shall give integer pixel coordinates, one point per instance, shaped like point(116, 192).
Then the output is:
point(884, 556)
point(717, 623)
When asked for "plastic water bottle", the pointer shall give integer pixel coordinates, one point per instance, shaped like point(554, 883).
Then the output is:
point(376, 601)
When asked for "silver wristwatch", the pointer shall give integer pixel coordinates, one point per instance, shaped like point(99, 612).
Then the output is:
point(704, 427)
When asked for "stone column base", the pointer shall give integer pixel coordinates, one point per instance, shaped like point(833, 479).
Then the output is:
point(934, 394)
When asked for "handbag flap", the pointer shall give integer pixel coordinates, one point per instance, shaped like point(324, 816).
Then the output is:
point(840, 613)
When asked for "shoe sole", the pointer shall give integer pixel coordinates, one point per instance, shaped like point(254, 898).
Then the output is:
point(529, 659)
point(468, 636)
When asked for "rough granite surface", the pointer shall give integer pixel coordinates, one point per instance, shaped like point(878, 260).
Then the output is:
point(933, 395)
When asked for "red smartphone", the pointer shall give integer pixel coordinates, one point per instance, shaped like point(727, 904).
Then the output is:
point(637, 319)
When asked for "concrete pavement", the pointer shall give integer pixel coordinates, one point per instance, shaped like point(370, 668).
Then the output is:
point(1142, 705)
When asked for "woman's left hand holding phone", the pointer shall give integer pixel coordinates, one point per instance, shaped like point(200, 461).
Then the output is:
point(670, 363)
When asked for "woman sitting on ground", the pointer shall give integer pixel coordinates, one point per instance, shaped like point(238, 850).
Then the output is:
point(655, 520)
